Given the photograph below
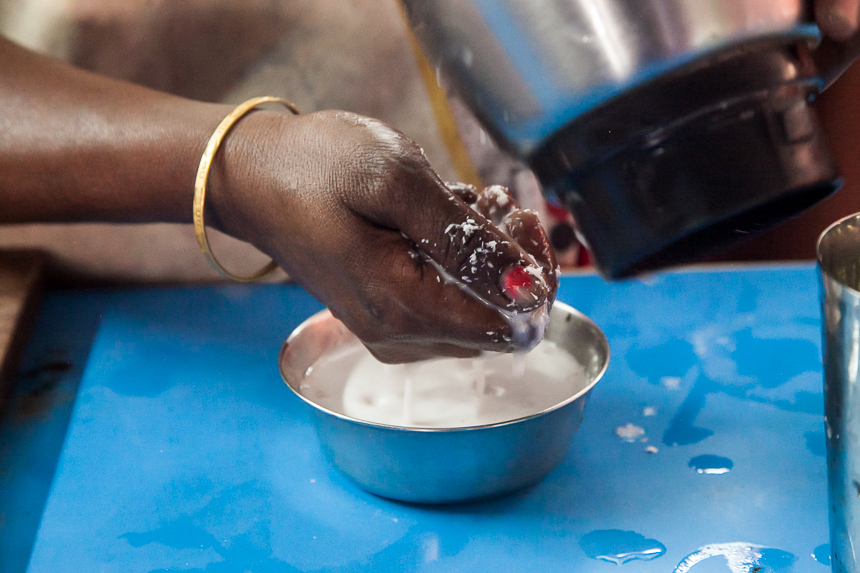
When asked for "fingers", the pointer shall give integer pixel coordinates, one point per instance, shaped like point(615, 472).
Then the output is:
point(422, 310)
point(524, 227)
point(495, 203)
point(837, 19)
point(401, 192)
point(468, 248)
point(399, 354)
point(405, 310)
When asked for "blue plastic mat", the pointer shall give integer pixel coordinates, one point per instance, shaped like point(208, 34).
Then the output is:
point(186, 452)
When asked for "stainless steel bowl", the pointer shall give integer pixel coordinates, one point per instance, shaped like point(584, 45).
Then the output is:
point(441, 465)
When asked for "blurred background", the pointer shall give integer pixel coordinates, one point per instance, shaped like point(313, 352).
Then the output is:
point(355, 55)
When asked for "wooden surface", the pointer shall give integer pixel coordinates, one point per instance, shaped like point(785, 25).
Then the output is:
point(20, 286)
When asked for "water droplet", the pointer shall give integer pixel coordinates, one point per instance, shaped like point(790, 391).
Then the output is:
point(822, 554)
point(649, 411)
point(670, 382)
point(711, 465)
point(619, 547)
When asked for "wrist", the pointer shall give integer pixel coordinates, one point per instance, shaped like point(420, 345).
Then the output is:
point(241, 169)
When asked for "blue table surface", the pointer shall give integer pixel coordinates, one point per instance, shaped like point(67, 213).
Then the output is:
point(149, 430)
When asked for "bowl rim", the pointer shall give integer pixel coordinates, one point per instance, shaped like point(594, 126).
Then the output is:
point(325, 313)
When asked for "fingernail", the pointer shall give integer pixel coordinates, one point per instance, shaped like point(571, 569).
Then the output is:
point(523, 287)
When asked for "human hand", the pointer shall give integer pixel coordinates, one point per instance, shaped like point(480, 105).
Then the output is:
point(838, 21)
point(353, 211)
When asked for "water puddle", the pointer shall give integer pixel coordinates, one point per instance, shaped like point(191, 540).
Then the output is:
point(619, 547)
point(822, 554)
point(711, 465)
point(741, 558)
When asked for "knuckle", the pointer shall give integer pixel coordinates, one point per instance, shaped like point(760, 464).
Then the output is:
point(376, 134)
point(466, 192)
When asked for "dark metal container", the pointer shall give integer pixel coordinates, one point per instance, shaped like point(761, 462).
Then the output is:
point(669, 128)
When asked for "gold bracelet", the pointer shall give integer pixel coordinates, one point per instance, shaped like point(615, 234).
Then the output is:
point(203, 178)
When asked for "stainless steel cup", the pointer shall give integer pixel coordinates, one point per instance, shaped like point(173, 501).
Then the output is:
point(839, 270)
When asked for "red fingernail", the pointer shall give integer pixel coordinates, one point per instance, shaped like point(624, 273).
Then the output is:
point(518, 278)
point(522, 287)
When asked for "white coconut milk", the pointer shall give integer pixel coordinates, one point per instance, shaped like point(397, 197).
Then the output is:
point(444, 393)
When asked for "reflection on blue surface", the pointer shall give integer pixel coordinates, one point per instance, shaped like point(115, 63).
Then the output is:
point(680, 359)
point(815, 443)
point(742, 362)
point(767, 360)
point(681, 431)
point(755, 363)
point(246, 550)
point(207, 459)
point(711, 465)
point(822, 554)
point(619, 547)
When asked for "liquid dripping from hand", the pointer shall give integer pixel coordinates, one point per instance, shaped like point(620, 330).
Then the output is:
point(408, 392)
point(480, 376)
point(527, 328)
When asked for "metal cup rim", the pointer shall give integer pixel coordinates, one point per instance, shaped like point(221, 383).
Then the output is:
point(326, 313)
point(820, 263)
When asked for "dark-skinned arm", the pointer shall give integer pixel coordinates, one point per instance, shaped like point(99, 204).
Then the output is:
point(345, 204)
point(76, 146)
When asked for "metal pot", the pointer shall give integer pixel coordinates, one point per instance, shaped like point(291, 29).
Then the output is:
point(669, 128)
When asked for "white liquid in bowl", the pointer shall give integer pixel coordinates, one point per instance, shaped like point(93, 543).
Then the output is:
point(443, 393)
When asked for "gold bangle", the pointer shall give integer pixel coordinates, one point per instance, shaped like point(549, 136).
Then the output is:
point(203, 179)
